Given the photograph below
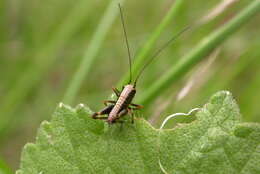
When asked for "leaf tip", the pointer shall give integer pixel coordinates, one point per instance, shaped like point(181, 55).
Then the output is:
point(64, 107)
point(30, 147)
point(81, 105)
point(83, 108)
point(221, 95)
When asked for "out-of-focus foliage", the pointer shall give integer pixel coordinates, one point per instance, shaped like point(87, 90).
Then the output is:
point(42, 44)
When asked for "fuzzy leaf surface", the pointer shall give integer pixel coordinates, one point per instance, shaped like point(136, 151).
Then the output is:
point(217, 142)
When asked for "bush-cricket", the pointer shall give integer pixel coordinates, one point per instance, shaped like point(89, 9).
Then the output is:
point(123, 105)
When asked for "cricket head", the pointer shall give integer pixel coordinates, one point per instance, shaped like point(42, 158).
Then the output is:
point(129, 87)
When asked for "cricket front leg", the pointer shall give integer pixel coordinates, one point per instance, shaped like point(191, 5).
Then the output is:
point(104, 111)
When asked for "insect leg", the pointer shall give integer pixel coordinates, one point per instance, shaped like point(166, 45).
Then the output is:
point(124, 112)
point(109, 101)
point(104, 111)
point(121, 114)
point(101, 118)
point(116, 91)
point(136, 106)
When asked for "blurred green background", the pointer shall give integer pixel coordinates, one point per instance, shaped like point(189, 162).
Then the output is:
point(42, 44)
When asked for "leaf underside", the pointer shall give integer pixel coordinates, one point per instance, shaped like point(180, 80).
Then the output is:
point(216, 142)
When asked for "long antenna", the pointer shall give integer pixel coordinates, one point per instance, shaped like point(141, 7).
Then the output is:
point(127, 44)
point(159, 51)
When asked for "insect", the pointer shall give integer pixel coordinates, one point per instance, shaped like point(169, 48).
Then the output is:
point(123, 105)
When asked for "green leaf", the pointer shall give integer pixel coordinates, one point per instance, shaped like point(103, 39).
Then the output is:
point(217, 142)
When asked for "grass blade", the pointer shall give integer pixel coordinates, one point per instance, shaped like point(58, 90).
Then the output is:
point(199, 52)
point(92, 51)
point(4, 168)
point(44, 59)
point(148, 47)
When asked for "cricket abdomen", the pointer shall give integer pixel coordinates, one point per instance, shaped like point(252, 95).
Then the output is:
point(123, 101)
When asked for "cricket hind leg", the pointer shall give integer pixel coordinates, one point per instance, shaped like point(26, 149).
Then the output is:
point(104, 111)
point(122, 113)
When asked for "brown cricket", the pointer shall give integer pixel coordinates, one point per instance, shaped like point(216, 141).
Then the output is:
point(123, 105)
